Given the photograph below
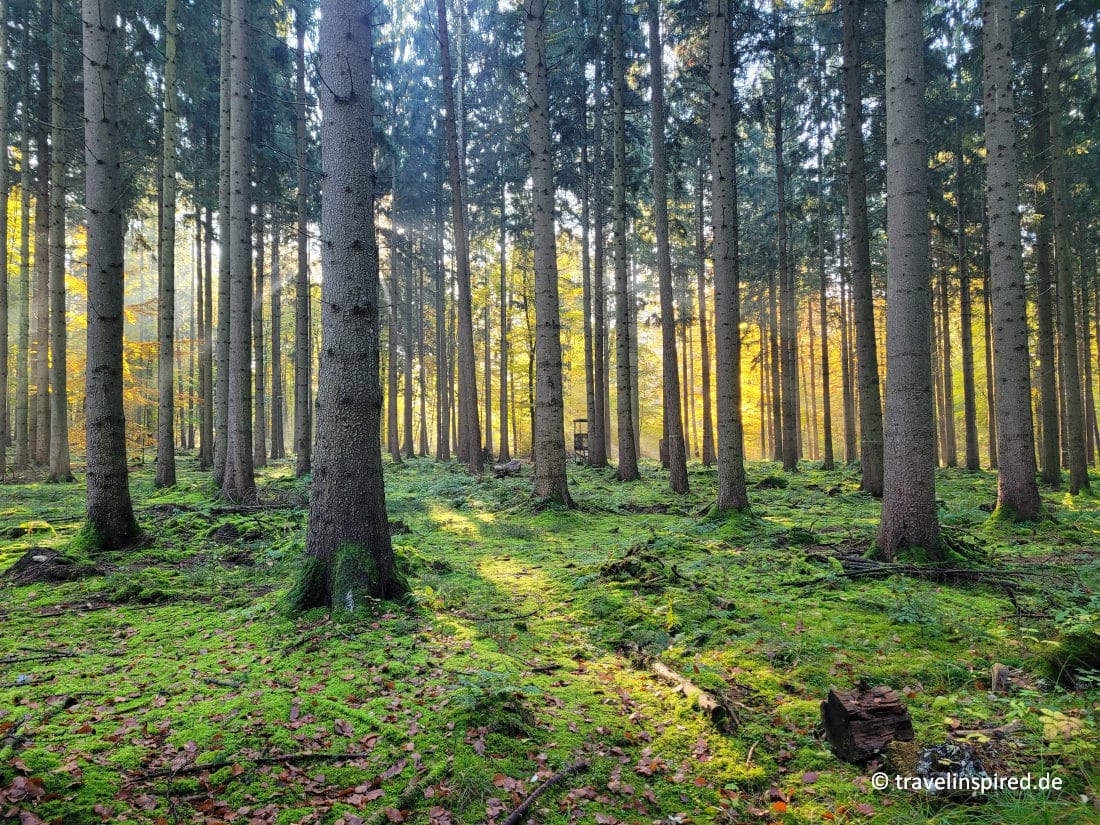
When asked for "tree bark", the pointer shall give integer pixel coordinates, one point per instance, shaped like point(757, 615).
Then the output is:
point(951, 450)
point(732, 490)
point(259, 410)
point(863, 306)
point(221, 355)
point(548, 426)
point(628, 456)
point(349, 558)
point(1063, 261)
point(966, 312)
point(469, 446)
point(505, 452)
point(40, 421)
point(110, 516)
point(166, 258)
point(704, 337)
point(393, 437)
point(303, 348)
point(239, 483)
point(599, 429)
point(909, 517)
point(278, 439)
point(828, 462)
point(1017, 491)
point(670, 373)
point(788, 321)
point(60, 469)
point(5, 424)
point(22, 452)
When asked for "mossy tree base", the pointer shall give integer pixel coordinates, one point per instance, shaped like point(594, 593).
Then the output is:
point(352, 578)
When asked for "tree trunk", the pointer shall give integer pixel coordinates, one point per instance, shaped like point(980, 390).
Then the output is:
point(110, 516)
point(239, 483)
point(469, 446)
point(670, 373)
point(966, 313)
point(22, 453)
point(846, 364)
point(41, 420)
point(221, 355)
point(393, 437)
point(60, 469)
point(442, 359)
point(828, 462)
point(505, 453)
point(990, 394)
point(599, 429)
point(909, 518)
point(166, 258)
point(422, 380)
point(5, 424)
point(259, 417)
point(278, 440)
point(788, 321)
point(586, 274)
point(704, 338)
point(349, 558)
point(1017, 491)
point(548, 426)
point(628, 456)
point(732, 491)
point(1063, 261)
point(206, 455)
point(870, 399)
point(303, 423)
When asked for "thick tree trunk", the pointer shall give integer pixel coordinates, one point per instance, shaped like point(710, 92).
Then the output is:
point(1063, 261)
point(548, 427)
point(469, 446)
point(349, 558)
point(628, 456)
point(704, 337)
point(166, 258)
point(303, 419)
point(278, 439)
point(239, 483)
point(869, 397)
point(110, 516)
point(732, 490)
point(60, 469)
point(670, 373)
point(909, 518)
point(259, 410)
point(1017, 491)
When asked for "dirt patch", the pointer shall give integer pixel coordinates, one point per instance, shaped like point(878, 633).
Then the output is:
point(41, 564)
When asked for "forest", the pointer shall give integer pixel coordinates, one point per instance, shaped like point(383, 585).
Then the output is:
point(549, 411)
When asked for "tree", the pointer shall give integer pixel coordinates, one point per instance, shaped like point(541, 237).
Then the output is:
point(221, 353)
point(628, 455)
point(909, 518)
point(60, 469)
point(674, 422)
point(303, 424)
point(349, 557)
point(1017, 491)
point(704, 338)
point(870, 401)
point(732, 490)
point(239, 483)
point(1074, 418)
point(110, 516)
point(469, 443)
point(278, 442)
point(166, 294)
point(549, 423)
point(5, 426)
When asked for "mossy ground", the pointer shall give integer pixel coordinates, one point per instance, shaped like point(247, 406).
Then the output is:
point(524, 648)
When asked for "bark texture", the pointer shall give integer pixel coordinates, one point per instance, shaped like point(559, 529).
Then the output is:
point(349, 557)
point(110, 515)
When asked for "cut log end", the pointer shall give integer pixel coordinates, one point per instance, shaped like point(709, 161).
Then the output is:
point(859, 724)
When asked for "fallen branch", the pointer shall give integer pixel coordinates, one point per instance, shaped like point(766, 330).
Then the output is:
point(719, 712)
point(218, 764)
point(520, 814)
point(406, 797)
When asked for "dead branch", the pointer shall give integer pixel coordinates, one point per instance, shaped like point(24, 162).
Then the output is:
point(718, 711)
point(520, 814)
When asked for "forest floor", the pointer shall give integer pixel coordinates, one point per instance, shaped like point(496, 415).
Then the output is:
point(166, 687)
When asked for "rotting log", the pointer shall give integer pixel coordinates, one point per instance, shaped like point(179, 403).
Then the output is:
point(860, 723)
point(719, 712)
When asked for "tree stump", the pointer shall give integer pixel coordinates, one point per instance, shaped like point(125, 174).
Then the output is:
point(507, 469)
point(860, 723)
